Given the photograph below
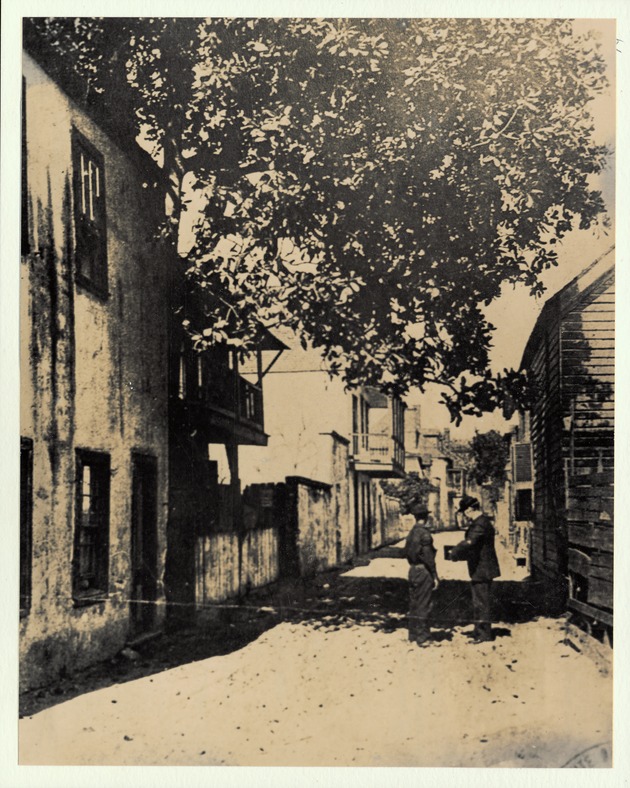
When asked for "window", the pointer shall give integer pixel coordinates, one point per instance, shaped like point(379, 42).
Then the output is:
point(365, 423)
point(91, 543)
point(523, 506)
point(360, 423)
point(26, 522)
point(454, 479)
point(523, 462)
point(89, 215)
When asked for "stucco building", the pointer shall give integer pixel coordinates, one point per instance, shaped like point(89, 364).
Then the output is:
point(131, 503)
point(94, 389)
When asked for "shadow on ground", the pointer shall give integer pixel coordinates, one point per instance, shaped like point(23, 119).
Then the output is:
point(327, 601)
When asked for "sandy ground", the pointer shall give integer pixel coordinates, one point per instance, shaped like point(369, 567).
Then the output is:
point(314, 693)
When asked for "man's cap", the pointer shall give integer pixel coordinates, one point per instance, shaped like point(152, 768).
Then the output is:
point(468, 502)
point(419, 510)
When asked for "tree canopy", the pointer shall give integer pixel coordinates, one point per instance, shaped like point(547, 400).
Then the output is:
point(410, 490)
point(490, 455)
point(369, 183)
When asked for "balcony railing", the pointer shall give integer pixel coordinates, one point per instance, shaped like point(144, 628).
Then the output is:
point(378, 449)
point(215, 386)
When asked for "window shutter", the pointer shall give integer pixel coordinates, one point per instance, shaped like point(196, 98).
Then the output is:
point(523, 462)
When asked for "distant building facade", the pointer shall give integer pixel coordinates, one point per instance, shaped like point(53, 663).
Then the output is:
point(344, 440)
point(443, 462)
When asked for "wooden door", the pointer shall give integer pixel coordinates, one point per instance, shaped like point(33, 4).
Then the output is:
point(143, 543)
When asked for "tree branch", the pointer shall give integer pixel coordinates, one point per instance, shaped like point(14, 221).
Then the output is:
point(497, 133)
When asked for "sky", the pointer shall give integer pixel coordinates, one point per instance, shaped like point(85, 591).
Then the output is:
point(515, 312)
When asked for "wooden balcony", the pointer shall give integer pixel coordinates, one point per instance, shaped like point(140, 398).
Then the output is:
point(215, 399)
point(379, 455)
point(378, 433)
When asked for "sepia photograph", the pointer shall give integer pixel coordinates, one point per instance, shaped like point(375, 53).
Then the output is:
point(316, 391)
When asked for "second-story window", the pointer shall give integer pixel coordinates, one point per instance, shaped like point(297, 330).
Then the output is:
point(523, 462)
point(89, 215)
point(181, 372)
point(200, 376)
point(454, 479)
point(365, 423)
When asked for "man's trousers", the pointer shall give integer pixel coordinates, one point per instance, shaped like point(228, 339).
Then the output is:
point(420, 588)
point(481, 608)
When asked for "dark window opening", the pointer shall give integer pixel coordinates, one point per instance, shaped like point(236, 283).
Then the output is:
point(26, 523)
point(454, 479)
point(578, 585)
point(91, 543)
point(524, 509)
point(89, 215)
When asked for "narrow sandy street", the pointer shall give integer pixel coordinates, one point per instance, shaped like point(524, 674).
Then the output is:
point(337, 683)
point(281, 289)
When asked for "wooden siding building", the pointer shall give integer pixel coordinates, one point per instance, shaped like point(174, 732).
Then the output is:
point(570, 360)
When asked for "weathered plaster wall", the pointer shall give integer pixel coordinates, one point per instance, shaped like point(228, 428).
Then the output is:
point(341, 510)
point(317, 534)
point(93, 377)
point(389, 520)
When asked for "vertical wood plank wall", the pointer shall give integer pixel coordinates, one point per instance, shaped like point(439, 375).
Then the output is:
point(572, 420)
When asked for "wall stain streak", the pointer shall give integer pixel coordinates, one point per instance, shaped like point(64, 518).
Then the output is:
point(48, 255)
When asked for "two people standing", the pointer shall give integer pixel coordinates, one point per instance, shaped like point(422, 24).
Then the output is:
point(477, 549)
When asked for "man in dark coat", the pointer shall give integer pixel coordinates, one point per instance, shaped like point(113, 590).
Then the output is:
point(478, 550)
point(423, 577)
